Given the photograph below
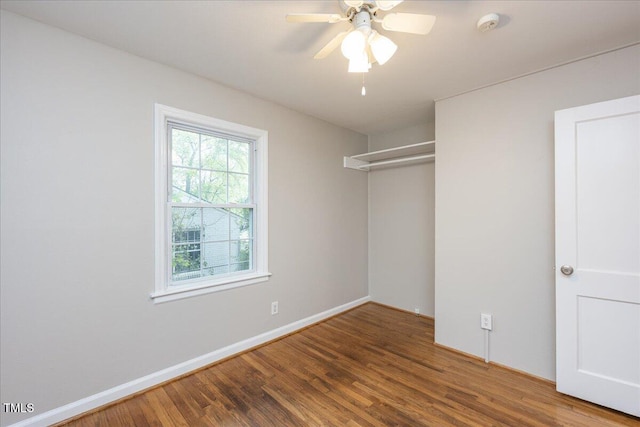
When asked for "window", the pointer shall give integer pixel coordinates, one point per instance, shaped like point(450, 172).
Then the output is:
point(211, 204)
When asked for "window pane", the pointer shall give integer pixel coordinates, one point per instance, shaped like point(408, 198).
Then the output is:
point(186, 261)
point(216, 224)
point(215, 255)
point(184, 148)
point(238, 188)
point(214, 187)
point(238, 157)
point(243, 266)
point(185, 185)
point(185, 225)
point(189, 235)
point(241, 223)
point(240, 251)
point(218, 270)
point(214, 153)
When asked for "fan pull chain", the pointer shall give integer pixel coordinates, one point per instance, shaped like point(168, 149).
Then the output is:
point(364, 90)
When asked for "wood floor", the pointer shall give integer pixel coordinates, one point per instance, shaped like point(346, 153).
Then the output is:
point(372, 366)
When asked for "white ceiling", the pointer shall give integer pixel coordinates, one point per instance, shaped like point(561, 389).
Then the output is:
point(248, 45)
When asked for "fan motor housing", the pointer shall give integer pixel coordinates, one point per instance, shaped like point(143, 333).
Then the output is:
point(362, 20)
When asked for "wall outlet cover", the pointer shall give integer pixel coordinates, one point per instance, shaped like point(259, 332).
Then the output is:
point(486, 321)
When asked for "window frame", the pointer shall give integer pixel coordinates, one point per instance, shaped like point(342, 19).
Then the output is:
point(164, 290)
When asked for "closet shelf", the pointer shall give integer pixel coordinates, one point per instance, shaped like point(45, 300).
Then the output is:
point(422, 151)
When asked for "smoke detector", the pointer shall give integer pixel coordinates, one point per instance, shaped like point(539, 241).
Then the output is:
point(488, 22)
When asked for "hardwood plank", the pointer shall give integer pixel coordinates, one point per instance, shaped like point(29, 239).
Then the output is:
point(371, 366)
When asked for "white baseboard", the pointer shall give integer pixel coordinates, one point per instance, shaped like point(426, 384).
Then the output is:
point(99, 399)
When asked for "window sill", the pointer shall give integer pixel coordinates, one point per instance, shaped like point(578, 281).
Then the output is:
point(177, 293)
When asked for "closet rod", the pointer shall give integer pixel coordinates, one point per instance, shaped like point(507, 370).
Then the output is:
point(401, 160)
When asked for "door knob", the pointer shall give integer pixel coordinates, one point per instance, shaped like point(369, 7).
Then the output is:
point(567, 270)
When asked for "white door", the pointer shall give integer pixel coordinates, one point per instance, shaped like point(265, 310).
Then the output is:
point(597, 170)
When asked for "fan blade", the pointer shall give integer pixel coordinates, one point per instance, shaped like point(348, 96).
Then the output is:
point(387, 5)
point(408, 23)
point(330, 47)
point(314, 17)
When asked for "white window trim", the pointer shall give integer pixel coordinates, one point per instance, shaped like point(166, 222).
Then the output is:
point(164, 292)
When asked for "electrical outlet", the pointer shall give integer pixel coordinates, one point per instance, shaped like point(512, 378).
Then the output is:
point(417, 311)
point(274, 308)
point(486, 321)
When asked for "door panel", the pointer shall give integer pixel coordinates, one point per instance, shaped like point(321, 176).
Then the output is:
point(598, 235)
point(607, 217)
point(598, 347)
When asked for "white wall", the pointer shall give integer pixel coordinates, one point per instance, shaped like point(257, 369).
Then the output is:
point(77, 219)
point(495, 206)
point(401, 226)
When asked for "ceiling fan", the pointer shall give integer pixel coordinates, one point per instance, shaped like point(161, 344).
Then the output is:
point(362, 45)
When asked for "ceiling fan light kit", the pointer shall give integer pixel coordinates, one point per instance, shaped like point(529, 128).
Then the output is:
point(354, 44)
point(359, 63)
point(382, 47)
point(362, 45)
